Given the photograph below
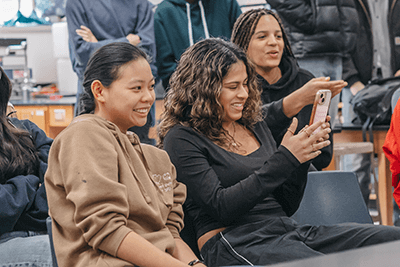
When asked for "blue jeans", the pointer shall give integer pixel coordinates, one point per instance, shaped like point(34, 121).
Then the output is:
point(325, 66)
point(358, 163)
point(25, 248)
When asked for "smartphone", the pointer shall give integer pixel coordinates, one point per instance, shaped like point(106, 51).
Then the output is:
point(320, 107)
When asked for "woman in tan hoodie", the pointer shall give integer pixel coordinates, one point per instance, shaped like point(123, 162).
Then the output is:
point(114, 201)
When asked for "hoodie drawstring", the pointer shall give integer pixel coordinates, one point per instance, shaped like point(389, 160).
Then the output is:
point(203, 19)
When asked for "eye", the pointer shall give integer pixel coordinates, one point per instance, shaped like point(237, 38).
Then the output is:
point(137, 88)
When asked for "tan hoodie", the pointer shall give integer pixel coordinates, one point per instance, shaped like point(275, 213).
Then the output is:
point(102, 184)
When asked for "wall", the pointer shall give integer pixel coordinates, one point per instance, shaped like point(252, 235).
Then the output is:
point(39, 49)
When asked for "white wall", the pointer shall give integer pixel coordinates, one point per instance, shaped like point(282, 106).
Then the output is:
point(39, 50)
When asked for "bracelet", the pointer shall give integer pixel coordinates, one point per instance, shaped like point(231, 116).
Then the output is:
point(194, 262)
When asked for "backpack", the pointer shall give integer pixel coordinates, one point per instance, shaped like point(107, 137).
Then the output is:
point(373, 103)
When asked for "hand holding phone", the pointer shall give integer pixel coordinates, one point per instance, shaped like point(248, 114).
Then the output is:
point(320, 107)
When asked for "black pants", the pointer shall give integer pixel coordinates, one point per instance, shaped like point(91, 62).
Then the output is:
point(280, 239)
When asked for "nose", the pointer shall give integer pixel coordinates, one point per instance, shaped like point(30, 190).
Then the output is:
point(148, 95)
point(243, 92)
point(272, 40)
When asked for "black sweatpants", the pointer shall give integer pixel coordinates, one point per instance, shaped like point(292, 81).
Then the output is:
point(280, 239)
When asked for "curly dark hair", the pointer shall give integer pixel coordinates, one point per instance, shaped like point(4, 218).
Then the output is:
point(195, 88)
point(246, 24)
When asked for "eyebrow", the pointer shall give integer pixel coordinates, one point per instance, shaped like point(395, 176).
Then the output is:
point(140, 81)
point(267, 32)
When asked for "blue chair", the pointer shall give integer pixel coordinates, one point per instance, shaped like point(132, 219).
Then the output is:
point(395, 97)
point(53, 254)
point(332, 197)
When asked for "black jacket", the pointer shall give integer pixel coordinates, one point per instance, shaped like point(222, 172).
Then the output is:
point(23, 198)
point(272, 96)
point(318, 28)
point(359, 66)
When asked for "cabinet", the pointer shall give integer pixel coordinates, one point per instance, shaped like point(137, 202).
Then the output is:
point(50, 118)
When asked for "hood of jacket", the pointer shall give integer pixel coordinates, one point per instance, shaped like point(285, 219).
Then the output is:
point(289, 69)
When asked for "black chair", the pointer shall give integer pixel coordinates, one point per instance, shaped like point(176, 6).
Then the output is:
point(53, 254)
point(332, 197)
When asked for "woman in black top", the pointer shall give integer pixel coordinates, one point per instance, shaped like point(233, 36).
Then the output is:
point(242, 188)
point(287, 89)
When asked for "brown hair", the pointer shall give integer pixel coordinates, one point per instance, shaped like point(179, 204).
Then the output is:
point(195, 88)
point(246, 24)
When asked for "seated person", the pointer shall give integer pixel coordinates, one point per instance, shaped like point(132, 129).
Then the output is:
point(288, 89)
point(113, 201)
point(242, 188)
point(391, 147)
point(23, 209)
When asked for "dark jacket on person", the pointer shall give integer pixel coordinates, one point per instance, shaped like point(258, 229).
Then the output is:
point(359, 67)
point(173, 30)
point(318, 28)
point(109, 21)
point(23, 198)
point(272, 96)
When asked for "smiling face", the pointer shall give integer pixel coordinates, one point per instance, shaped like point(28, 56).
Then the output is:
point(266, 45)
point(234, 93)
point(127, 101)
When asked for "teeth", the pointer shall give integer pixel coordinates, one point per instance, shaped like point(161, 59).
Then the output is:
point(237, 105)
point(144, 110)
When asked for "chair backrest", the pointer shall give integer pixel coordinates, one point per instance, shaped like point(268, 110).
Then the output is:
point(332, 197)
point(50, 233)
point(395, 97)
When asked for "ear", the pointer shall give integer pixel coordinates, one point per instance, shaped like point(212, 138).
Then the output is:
point(98, 91)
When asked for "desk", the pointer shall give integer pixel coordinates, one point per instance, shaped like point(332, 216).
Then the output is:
point(387, 254)
point(353, 133)
point(52, 116)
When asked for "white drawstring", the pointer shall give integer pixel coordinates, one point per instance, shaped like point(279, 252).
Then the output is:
point(189, 24)
point(203, 19)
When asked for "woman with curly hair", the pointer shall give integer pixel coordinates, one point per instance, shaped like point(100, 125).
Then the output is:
point(288, 90)
point(241, 187)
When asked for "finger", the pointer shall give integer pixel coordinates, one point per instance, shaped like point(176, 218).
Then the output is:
point(80, 32)
point(293, 126)
point(321, 145)
point(85, 28)
point(314, 126)
point(328, 119)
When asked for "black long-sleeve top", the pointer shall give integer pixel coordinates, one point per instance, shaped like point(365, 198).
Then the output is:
point(226, 188)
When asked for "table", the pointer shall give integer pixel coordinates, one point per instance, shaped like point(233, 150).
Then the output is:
point(387, 254)
point(353, 133)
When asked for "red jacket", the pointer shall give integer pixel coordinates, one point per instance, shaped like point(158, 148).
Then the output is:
point(391, 147)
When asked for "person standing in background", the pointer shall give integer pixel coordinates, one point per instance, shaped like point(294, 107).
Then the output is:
point(92, 24)
point(179, 24)
point(322, 33)
point(376, 55)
